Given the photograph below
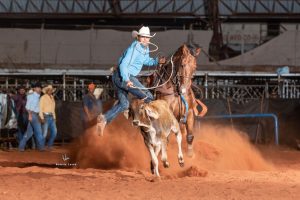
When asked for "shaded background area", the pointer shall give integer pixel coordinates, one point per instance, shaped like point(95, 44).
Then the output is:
point(261, 130)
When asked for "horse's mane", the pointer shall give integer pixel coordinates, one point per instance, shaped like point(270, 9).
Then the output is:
point(171, 69)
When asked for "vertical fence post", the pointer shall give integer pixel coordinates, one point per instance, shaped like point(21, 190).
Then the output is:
point(267, 90)
point(64, 86)
point(6, 83)
point(206, 85)
point(82, 88)
point(74, 90)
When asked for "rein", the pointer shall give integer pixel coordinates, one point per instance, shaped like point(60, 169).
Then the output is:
point(154, 87)
point(175, 76)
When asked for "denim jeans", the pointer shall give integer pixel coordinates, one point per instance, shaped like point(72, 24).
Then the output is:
point(33, 127)
point(49, 124)
point(122, 93)
point(22, 122)
point(20, 135)
point(22, 126)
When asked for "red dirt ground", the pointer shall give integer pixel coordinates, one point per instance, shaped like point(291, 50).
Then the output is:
point(116, 166)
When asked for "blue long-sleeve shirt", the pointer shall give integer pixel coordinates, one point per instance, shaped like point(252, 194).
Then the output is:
point(133, 59)
point(33, 102)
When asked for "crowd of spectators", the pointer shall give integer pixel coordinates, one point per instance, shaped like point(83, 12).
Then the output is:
point(35, 114)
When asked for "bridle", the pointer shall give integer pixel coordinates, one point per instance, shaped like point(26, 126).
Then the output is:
point(176, 77)
point(164, 83)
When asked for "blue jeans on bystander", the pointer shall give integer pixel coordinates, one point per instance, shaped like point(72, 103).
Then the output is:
point(49, 124)
point(33, 127)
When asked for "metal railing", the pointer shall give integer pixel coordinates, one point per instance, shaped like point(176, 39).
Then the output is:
point(252, 115)
point(246, 87)
point(239, 88)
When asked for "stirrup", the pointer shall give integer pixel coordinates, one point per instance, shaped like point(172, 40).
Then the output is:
point(182, 120)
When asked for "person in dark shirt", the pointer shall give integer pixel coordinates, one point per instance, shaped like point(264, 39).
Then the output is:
point(91, 108)
point(22, 115)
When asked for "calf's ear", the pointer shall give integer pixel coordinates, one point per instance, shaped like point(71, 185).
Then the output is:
point(151, 112)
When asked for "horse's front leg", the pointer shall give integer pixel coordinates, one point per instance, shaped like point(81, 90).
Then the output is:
point(189, 135)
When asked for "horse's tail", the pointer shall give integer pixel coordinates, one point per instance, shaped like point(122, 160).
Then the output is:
point(200, 103)
point(203, 111)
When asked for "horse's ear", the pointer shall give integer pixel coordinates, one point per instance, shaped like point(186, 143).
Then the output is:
point(197, 52)
point(185, 50)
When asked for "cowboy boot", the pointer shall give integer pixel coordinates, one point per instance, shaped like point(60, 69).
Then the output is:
point(101, 123)
point(126, 113)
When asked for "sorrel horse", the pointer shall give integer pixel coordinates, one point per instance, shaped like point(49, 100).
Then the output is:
point(174, 81)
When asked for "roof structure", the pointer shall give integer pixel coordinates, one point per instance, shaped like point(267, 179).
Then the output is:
point(143, 7)
point(171, 13)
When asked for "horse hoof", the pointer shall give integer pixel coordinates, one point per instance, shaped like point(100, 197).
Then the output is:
point(166, 164)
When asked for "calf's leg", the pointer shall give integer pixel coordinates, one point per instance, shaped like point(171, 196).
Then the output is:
point(157, 149)
point(179, 139)
point(164, 156)
point(154, 160)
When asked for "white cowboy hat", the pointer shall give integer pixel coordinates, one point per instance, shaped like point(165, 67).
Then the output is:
point(48, 87)
point(144, 31)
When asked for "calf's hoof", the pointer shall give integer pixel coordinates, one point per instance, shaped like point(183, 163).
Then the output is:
point(154, 179)
point(181, 162)
point(166, 164)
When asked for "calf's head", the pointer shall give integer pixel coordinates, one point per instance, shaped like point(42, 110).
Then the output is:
point(142, 113)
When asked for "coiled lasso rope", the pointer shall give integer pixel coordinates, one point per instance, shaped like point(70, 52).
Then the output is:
point(154, 87)
point(156, 47)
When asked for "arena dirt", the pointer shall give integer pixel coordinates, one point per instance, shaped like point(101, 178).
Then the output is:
point(116, 166)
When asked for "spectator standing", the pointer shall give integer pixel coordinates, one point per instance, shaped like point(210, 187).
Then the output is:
point(91, 108)
point(34, 125)
point(47, 115)
point(22, 115)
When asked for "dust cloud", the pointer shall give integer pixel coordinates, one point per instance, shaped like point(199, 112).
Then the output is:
point(122, 147)
point(220, 148)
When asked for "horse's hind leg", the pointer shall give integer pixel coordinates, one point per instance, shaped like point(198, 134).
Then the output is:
point(189, 135)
